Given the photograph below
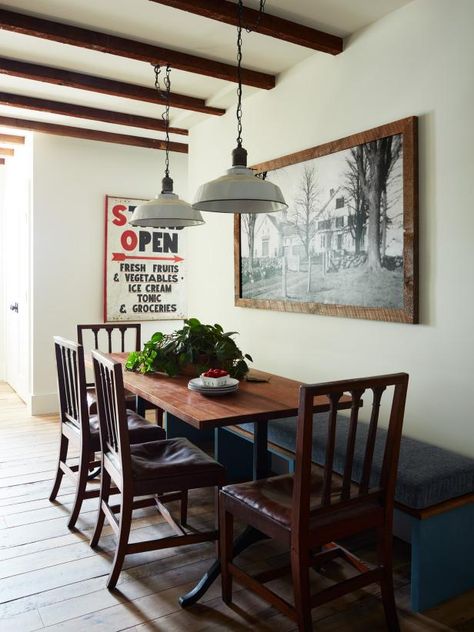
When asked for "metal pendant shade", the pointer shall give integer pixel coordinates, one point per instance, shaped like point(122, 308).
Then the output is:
point(166, 210)
point(240, 190)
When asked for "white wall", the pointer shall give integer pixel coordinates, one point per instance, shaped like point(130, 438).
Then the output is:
point(416, 61)
point(71, 179)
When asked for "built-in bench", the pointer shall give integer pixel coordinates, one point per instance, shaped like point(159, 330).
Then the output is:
point(434, 498)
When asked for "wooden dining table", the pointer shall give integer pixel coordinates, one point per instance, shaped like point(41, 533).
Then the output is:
point(274, 397)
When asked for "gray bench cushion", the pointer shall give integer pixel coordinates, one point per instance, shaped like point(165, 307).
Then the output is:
point(427, 474)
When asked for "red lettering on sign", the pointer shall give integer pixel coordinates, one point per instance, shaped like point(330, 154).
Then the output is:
point(118, 212)
point(129, 240)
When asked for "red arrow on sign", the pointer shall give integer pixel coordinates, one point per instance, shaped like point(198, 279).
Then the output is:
point(120, 256)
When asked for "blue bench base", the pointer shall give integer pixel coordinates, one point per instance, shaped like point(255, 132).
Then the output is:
point(442, 545)
point(442, 556)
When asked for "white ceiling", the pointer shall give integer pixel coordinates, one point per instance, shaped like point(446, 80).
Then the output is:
point(156, 24)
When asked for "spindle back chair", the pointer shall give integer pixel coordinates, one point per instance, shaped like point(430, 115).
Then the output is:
point(109, 338)
point(74, 423)
point(164, 469)
point(316, 506)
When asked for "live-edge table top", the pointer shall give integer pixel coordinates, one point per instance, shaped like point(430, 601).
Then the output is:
point(253, 401)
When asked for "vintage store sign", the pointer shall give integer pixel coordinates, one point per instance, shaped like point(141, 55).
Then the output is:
point(145, 273)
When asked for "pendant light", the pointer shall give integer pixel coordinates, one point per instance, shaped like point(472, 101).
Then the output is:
point(240, 190)
point(166, 210)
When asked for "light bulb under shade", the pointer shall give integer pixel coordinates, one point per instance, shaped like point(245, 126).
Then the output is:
point(240, 191)
point(166, 211)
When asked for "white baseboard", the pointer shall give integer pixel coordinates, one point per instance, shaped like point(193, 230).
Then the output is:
point(43, 404)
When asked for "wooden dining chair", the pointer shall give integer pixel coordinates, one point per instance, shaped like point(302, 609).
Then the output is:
point(116, 337)
point(81, 428)
point(158, 468)
point(312, 509)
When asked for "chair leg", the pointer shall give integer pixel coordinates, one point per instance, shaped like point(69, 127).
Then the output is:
point(125, 525)
point(82, 475)
point(226, 530)
point(386, 585)
point(184, 507)
point(63, 447)
point(103, 497)
point(301, 588)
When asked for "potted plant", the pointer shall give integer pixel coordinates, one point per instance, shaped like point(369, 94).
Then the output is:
point(190, 350)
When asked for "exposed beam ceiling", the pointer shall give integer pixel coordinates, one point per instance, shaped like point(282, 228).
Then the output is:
point(131, 49)
point(6, 151)
point(78, 80)
point(90, 134)
point(13, 140)
point(93, 60)
point(79, 111)
point(225, 11)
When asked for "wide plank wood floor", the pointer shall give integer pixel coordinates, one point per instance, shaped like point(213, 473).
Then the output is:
point(50, 579)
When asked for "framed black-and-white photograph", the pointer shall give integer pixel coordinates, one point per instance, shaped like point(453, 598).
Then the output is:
point(347, 244)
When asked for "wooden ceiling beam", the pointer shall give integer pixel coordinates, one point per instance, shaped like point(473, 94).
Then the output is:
point(12, 140)
point(271, 25)
point(131, 49)
point(6, 151)
point(80, 111)
point(90, 134)
point(80, 81)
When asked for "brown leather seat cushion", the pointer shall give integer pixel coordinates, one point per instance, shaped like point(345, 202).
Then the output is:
point(140, 430)
point(130, 399)
point(172, 458)
point(272, 497)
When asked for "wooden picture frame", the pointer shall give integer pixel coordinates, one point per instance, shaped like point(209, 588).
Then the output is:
point(359, 239)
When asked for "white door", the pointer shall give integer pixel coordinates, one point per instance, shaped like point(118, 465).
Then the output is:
point(16, 257)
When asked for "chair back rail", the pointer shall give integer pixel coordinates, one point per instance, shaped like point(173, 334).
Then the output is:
point(112, 412)
point(72, 385)
point(108, 330)
point(330, 497)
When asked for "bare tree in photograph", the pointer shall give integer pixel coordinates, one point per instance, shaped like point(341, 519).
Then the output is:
point(249, 222)
point(359, 206)
point(306, 213)
point(381, 155)
point(388, 201)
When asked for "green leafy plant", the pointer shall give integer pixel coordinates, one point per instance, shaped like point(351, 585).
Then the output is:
point(195, 345)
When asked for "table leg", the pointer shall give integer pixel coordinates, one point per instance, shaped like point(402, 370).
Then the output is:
point(261, 469)
point(140, 406)
point(261, 461)
point(248, 537)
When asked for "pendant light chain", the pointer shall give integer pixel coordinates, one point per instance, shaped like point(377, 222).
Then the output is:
point(239, 75)
point(166, 112)
point(240, 26)
point(241, 190)
point(166, 210)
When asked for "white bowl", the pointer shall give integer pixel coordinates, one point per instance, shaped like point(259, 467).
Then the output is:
point(214, 381)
